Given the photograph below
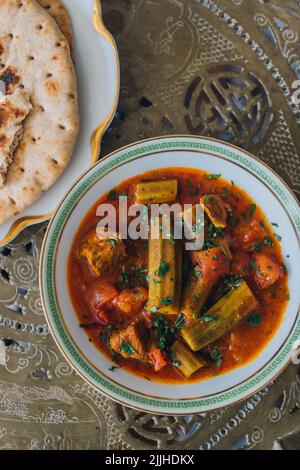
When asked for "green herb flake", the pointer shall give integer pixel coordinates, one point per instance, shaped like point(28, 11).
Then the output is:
point(180, 322)
point(112, 195)
point(257, 247)
point(217, 356)
point(166, 301)
point(268, 242)
point(252, 209)
point(104, 337)
point(252, 264)
point(207, 318)
point(284, 268)
point(223, 251)
point(113, 242)
point(127, 348)
point(254, 319)
point(163, 268)
point(213, 176)
point(113, 368)
point(176, 364)
point(164, 334)
point(116, 357)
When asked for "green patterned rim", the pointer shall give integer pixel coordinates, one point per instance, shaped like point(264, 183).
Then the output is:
point(47, 268)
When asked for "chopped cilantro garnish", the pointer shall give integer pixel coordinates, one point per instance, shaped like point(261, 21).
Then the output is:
point(257, 247)
point(284, 268)
point(223, 250)
point(252, 209)
point(163, 268)
point(278, 237)
point(176, 363)
point(116, 357)
point(125, 279)
point(252, 264)
point(217, 356)
point(268, 242)
point(254, 319)
point(213, 176)
point(127, 348)
point(180, 322)
point(165, 334)
point(104, 337)
point(215, 231)
point(113, 368)
point(232, 281)
point(165, 301)
point(112, 195)
point(207, 318)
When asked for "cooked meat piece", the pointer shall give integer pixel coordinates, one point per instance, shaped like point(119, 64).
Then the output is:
point(104, 255)
point(216, 209)
point(131, 342)
point(99, 294)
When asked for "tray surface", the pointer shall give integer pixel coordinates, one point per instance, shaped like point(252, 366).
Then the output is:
point(155, 99)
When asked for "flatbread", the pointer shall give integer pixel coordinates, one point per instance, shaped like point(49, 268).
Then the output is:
point(56, 9)
point(35, 57)
point(14, 109)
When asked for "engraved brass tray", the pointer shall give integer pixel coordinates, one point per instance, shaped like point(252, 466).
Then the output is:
point(186, 66)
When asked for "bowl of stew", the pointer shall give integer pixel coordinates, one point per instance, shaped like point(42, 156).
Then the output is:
point(160, 327)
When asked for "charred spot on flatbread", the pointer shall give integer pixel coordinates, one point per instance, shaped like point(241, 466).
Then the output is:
point(10, 77)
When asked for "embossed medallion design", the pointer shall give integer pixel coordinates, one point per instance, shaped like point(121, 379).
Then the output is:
point(229, 103)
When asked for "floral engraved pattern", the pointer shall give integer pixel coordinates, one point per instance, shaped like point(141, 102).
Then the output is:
point(163, 45)
point(283, 37)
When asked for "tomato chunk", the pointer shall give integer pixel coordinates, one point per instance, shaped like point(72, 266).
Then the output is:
point(212, 264)
point(266, 272)
point(131, 301)
point(157, 359)
point(241, 264)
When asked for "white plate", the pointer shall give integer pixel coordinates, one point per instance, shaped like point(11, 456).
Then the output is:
point(261, 183)
point(97, 69)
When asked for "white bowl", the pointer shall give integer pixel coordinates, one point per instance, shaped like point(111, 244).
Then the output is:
point(261, 183)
